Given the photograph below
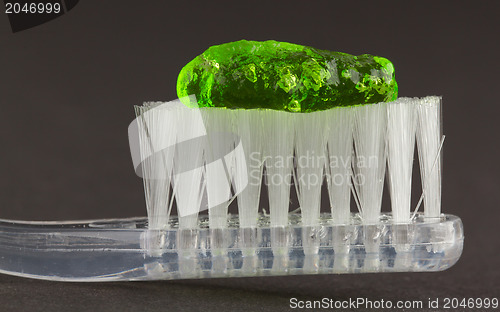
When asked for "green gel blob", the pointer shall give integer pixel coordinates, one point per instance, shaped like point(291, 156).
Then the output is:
point(284, 76)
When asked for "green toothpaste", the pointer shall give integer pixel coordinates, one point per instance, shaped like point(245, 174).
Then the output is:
point(285, 76)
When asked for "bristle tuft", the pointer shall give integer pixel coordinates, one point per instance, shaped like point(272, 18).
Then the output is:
point(278, 127)
point(429, 138)
point(249, 128)
point(310, 160)
point(338, 168)
point(370, 157)
point(401, 127)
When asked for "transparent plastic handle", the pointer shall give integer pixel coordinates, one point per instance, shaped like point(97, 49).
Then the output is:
point(125, 249)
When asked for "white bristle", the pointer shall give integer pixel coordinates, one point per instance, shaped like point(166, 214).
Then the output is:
point(310, 159)
point(370, 157)
point(218, 122)
point(248, 126)
point(339, 123)
point(274, 140)
point(188, 185)
point(429, 142)
point(401, 127)
point(278, 127)
point(155, 124)
point(338, 168)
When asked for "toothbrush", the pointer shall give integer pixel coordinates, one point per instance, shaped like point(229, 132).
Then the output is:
point(273, 115)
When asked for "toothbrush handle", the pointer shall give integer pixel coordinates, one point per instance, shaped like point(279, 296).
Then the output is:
point(97, 250)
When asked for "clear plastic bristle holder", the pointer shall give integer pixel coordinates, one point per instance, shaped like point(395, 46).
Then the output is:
point(115, 250)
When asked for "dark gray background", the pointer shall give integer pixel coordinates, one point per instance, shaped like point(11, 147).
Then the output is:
point(67, 90)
